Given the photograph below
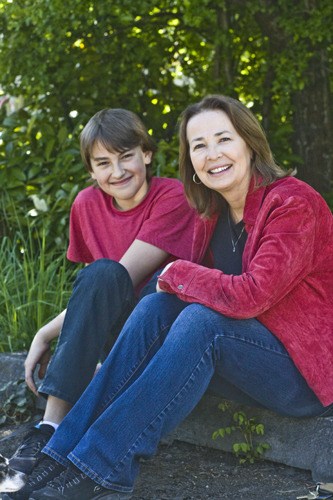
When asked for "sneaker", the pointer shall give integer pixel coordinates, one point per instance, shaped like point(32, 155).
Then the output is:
point(74, 485)
point(46, 470)
point(29, 452)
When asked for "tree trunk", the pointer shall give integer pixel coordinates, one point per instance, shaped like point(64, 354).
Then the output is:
point(313, 125)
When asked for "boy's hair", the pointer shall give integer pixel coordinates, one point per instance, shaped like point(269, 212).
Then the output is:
point(117, 130)
point(263, 167)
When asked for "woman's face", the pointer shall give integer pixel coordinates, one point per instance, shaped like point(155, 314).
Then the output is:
point(220, 157)
point(121, 175)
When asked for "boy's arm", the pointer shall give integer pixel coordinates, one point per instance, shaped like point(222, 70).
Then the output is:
point(141, 259)
point(39, 352)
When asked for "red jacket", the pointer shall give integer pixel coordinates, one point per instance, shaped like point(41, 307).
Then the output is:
point(287, 278)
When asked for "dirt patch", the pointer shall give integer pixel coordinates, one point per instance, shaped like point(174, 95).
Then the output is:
point(181, 471)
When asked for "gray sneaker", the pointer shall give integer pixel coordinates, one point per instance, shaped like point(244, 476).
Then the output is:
point(29, 452)
point(72, 484)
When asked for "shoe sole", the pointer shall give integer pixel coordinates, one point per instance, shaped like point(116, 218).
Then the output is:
point(112, 496)
point(105, 496)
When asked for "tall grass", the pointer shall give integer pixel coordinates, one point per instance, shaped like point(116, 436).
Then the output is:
point(35, 285)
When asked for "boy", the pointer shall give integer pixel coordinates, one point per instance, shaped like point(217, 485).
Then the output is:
point(126, 227)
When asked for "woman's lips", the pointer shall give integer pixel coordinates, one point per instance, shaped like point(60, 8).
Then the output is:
point(218, 170)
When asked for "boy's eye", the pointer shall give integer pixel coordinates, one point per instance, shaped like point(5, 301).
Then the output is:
point(129, 154)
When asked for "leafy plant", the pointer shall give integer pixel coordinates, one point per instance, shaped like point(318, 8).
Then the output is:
point(35, 285)
point(19, 403)
point(247, 450)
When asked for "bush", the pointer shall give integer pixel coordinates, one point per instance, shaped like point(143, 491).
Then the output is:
point(35, 284)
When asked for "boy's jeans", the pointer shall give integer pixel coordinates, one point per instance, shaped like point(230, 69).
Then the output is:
point(158, 370)
point(102, 299)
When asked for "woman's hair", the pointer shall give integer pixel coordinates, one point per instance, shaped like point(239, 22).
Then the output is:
point(264, 169)
point(117, 130)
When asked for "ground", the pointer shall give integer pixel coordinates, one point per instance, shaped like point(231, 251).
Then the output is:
point(182, 471)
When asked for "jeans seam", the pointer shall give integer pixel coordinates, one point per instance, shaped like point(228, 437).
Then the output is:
point(49, 391)
point(59, 458)
point(256, 344)
point(95, 477)
point(131, 373)
point(190, 380)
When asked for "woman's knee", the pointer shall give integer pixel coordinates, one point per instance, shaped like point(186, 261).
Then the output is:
point(200, 316)
point(162, 307)
point(198, 321)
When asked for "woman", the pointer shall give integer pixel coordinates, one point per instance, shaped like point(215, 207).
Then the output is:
point(256, 324)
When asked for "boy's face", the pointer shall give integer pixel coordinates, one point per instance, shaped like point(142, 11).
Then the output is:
point(121, 175)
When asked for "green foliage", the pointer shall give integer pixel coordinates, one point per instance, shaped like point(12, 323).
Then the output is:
point(61, 62)
point(35, 284)
point(247, 450)
point(329, 199)
point(18, 403)
point(153, 58)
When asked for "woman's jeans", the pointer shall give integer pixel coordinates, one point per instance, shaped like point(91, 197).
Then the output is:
point(158, 370)
point(102, 299)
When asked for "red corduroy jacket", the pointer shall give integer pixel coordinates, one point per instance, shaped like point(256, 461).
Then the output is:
point(287, 275)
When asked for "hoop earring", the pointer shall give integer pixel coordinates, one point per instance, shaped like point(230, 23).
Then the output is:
point(193, 178)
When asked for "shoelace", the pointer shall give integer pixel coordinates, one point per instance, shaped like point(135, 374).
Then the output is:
point(30, 443)
point(40, 471)
point(68, 477)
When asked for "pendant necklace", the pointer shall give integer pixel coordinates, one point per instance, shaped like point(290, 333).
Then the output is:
point(234, 243)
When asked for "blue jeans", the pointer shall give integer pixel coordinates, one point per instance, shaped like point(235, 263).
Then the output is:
point(102, 299)
point(158, 370)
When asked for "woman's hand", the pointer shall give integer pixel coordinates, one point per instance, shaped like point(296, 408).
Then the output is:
point(158, 289)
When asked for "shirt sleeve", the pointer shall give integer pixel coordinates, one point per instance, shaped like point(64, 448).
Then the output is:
point(77, 249)
point(170, 224)
point(283, 258)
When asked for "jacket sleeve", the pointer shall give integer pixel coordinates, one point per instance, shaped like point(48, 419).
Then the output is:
point(283, 257)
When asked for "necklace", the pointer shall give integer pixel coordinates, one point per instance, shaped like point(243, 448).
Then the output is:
point(234, 243)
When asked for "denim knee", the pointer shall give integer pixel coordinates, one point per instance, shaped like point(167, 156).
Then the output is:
point(103, 271)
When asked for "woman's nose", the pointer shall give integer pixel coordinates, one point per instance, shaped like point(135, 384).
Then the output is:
point(213, 152)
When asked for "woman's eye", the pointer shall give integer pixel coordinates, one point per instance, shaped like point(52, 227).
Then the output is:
point(198, 146)
point(224, 139)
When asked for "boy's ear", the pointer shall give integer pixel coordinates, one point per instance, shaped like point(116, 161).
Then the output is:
point(147, 157)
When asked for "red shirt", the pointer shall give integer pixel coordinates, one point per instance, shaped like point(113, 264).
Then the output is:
point(287, 278)
point(99, 230)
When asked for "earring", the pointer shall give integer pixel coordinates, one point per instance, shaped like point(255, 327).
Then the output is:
point(193, 178)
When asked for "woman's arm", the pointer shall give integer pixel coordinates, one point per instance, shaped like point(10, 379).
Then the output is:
point(283, 257)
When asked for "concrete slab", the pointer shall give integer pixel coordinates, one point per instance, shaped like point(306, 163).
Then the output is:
point(303, 443)
point(11, 370)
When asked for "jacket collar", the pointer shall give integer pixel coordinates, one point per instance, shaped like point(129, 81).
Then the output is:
point(253, 202)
